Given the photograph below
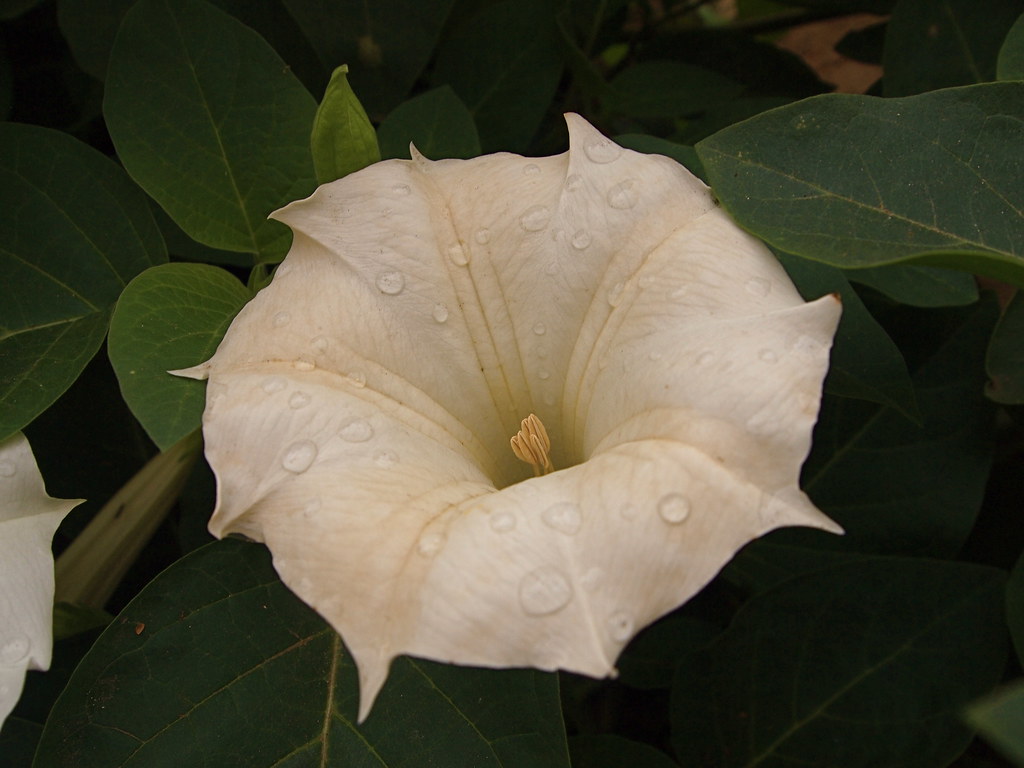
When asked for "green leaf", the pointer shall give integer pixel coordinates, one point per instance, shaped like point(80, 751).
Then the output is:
point(504, 65)
point(653, 89)
point(437, 122)
point(210, 122)
point(386, 44)
point(649, 661)
point(608, 751)
point(1015, 607)
point(1000, 719)
point(865, 362)
point(343, 140)
point(89, 27)
point(1005, 359)
point(857, 181)
point(73, 231)
point(930, 45)
point(862, 664)
point(1010, 64)
point(6, 83)
point(18, 740)
point(216, 663)
point(170, 317)
point(919, 286)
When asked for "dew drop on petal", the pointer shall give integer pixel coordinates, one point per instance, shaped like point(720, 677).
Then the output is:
point(482, 236)
point(654, 356)
point(502, 522)
point(7, 469)
point(580, 239)
point(705, 358)
point(549, 399)
point(531, 169)
point(320, 344)
point(14, 649)
point(312, 507)
point(440, 313)
point(430, 544)
point(535, 218)
point(624, 195)
point(678, 293)
point(299, 456)
point(767, 356)
point(298, 400)
point(401, 190)
point(544, 374)
point(602, 151)
point(390, 283)
point(544, 591)
point(385, 459)
point(674, 508)
point(758, 286)
point(615, 294)
point(273, 384)
point(356, 378)
point(564, 517)
point(573, 182)
point(551, 269)
point(620, 626)
point(356, 431)
point(540, 329)
point(304, 364)
point(629, 511)
point(591, 580)
point(281, 319)
point(541, 352)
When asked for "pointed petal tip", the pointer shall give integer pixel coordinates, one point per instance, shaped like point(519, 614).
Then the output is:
point(372, 675)
point(199, 372)
point(418, 157)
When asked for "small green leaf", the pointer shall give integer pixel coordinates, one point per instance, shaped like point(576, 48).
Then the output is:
point(653, 89)
point(1000, 719)
point(170, 317)
point(1010, 65)
point(210, 122)
point(865, 663)
point(437, 122)
point(919, 286)
point(74, 230)
point(216, 663)
point(343, 139)
point(609, 751)
point(857, 181)
point(1005, 359)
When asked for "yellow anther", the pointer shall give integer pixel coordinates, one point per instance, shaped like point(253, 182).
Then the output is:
point(531, 444)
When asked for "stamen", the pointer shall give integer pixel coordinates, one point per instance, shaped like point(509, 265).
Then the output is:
point(531, 444)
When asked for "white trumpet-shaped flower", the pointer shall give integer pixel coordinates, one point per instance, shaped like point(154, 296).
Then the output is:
point(507, 411)
point(28, 519)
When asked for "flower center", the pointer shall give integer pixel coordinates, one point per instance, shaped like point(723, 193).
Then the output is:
point(532, 444)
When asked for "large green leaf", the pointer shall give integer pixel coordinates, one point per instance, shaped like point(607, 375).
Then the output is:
point(608, 751)
point(930, 45)
point(858, 181)
point(437, 122)
point(1005, 359)
point(216, 663)
point(1015, 607)
point(504, 65)
point(866, 663)
point(170, 317)
point(386, 43)
point(210, 122)
point(653, 89)
point(1000, 719)
point(919, 286)
point(1010, 65)
point(73, 231)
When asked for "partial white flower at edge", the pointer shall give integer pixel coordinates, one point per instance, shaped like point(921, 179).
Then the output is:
point(360, 409)
point(28, 520)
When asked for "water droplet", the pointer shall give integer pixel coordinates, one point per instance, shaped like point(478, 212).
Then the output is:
point(440, 313)
point(544, 374)
point(531, 169)
point(541, 351)
point(615, 294)
point(758, 286)
point(629, 511)
point(591, 580)
point(299, 456)
point(356, 378)
point(624, 195)
point(482, 236)
point(312, 507)
point(564, 517)
point(549, 399)
point(540, 329)
point(654, 356)
point(320, 344)
point(430, 544)
point(580, 239)
point(385, 459)
point(620, 626)
point(704, 358)
point(502, 522)
point(674, 508)
point(535, 218)
point(544, 591)
point(678, 293)
point(401, 190)
point(768, 356)
point(806, 346)
point(390, 283)
point(7, 469)
point(298, 400)
point(573, 182)
point(281, 319)
point(14, 649)
point(551, 269)
point(602, 151)
point(356, 431)
point(304, 364)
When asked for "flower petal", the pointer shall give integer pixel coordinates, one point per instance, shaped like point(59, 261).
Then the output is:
point(359, 409)
point(28, 519)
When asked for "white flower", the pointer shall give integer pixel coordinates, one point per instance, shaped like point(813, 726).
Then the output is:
point(28, 519)
point(360, 409)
